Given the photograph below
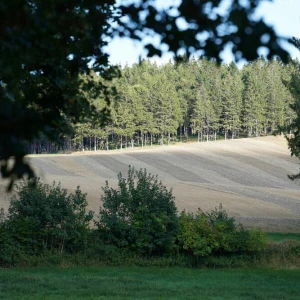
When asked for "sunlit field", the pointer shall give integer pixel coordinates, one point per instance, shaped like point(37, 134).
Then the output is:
point(248, 176)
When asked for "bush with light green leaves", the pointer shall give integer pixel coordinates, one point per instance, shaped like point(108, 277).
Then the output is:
point(203, 234)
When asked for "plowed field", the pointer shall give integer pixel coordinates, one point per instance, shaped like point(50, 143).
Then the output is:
point(248, 176)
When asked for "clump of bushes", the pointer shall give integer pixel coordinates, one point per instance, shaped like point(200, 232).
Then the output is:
point(203, 234)
point(138, 222)
point(140, 215)
point(43, 218)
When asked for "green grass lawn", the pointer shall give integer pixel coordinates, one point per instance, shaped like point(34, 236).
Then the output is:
point(280, 236)
point(148, 283)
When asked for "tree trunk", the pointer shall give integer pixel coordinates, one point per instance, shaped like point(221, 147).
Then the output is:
point(180, 132)
point(186, 132)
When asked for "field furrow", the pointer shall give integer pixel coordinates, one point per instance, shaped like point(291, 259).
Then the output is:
point(248, 176)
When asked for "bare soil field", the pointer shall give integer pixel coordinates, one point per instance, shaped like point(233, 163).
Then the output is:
point(248, 176)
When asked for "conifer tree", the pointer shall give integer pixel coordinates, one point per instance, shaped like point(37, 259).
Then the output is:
point(167, 107)
point(198, 111)
point(187, 78)
point(232, 87)
point(276, 97)
point(254, 98)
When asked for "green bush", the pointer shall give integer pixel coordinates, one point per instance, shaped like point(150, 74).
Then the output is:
point(195, 234)
point(202, 234)
point(257, 240)
point(43, 217)
point(140, 215)
point(138, 221)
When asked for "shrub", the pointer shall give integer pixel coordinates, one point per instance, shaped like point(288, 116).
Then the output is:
point(202, 234)
point(43, 217)
point(140, 215)
point(257, 241)
point(196, 235)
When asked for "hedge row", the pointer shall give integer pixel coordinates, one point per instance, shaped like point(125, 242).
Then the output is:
point(139, 217)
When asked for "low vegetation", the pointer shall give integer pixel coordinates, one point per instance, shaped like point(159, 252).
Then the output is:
point(281, 236)
point(140, 216)
point(148, 283)
point(138, 224)
point(203, 234)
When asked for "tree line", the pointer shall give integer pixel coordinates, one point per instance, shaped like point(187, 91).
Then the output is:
point(160, 104)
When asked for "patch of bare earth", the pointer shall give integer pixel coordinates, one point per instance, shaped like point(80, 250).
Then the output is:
point(248, 176)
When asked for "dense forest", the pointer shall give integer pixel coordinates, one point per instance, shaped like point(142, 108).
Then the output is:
point(197, 99)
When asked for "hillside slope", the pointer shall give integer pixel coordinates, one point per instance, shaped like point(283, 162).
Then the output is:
point(248, 176)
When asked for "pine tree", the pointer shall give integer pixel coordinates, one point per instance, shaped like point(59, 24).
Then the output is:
point(254, 98)
point(232, 87)
point(167, 112)
point(211, 79)
point(186, 86)
point(276, 97)
point(198, 112)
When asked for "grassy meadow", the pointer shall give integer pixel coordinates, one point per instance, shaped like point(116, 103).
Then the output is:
point(282, 236)
point(148, 283)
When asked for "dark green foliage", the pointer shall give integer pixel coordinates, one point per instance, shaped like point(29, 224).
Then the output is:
point(43, 217)
point(139, 215)
point(203, 234)
point(202, 18)
point(294, 129)
point(138, 226)
point(45, 48)
point(162, 104)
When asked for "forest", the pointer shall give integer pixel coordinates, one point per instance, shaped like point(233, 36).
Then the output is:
point(197, 99)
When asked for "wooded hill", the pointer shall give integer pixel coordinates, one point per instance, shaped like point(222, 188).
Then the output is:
point(156, 104)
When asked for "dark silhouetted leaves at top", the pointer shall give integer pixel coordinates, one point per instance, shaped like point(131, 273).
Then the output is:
point(201, 17)
point(45, 46)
